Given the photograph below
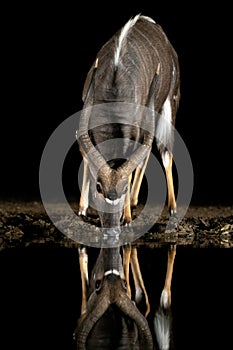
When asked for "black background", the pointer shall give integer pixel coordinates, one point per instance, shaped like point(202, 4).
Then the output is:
point(47, 52)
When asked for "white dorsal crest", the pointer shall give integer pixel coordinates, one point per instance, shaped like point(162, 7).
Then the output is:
point(122, 36)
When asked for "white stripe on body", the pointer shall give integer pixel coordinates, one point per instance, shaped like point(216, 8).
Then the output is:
point(124, 33)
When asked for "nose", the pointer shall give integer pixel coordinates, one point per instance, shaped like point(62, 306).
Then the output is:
point(111, 237)
point(112, 195)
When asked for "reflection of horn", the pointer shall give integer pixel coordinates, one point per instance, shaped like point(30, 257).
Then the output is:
point(129, 309)
point(87, 322)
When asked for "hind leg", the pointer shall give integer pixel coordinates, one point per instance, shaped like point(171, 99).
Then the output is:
point(83, 263)
point(127, 215)
point(165, 300)
point(163, 316)
point(167, 160)
point(140, 289)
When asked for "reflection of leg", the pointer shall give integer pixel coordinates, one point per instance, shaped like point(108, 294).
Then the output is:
point(138, 280)
point(127, 209)
point(163, 316)
point(165, 300)
point(83, 263)
point(126, 261)
point(138, 181)
point(83, 203)
point(167, 162)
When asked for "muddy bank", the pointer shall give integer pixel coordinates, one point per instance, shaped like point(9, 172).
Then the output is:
point(26, 223)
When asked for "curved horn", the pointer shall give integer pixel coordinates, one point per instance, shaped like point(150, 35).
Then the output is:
point(129, 309)
point(87, 323)
point(82, 134)
point(137, 157)
point(92, 155)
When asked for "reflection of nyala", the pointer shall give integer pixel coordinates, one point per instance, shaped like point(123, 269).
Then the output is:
point(106, 301)
point(137, 68)
point(110, 317)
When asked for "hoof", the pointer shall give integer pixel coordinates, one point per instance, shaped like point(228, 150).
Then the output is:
point(126, 221)
point(172, 223)
point(133, 204)
point(82, 212)
point(127, 224)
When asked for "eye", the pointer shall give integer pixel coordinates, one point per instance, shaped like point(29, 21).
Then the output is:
point(98, 187)
point(97, 284)
point(125, 189)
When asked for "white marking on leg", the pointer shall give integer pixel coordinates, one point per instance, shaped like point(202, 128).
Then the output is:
point(85, 199)
point(165, 159)
point(173, 212)
point(138, 295)
point(164, 300)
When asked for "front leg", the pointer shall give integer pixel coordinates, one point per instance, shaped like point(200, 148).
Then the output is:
point(127, 217)
point(84, 198)
point(126, 262)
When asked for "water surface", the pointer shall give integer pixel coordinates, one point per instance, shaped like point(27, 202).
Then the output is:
point(41, 295)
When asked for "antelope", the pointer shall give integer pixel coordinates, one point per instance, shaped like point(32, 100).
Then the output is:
point(105, 300)
point(138, 67)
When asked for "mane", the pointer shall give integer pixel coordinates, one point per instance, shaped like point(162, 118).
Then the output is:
point(124, 32)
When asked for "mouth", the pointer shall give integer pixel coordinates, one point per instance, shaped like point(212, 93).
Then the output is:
point(112, 202)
